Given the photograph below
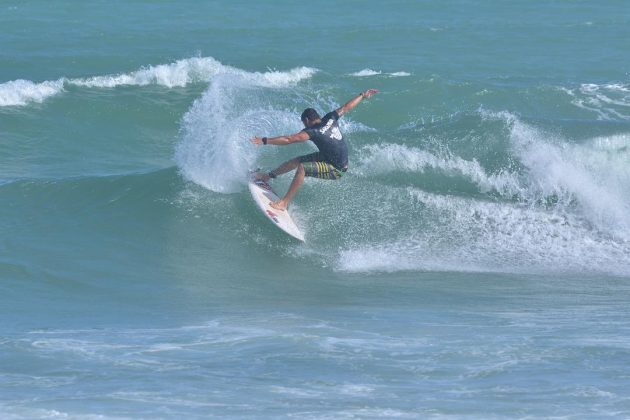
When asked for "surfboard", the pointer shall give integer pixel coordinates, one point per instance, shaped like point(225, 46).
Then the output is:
point(263, 195)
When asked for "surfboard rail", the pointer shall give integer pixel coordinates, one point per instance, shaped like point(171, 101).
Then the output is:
point(263, 196)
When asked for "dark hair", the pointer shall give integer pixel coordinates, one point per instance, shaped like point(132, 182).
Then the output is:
point(310, 114)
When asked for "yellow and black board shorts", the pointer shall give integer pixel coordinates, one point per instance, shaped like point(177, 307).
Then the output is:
point(316, 167)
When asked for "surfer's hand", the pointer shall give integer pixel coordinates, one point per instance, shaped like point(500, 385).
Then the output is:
point(257, 141)
point(369, 93)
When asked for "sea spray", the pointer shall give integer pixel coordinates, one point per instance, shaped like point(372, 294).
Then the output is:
point(561, 206)
point(587, 174)
point(472, 235)
point(214, 150)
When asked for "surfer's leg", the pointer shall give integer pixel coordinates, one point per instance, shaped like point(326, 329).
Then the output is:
point(290, 165)
point(287, 166)
point(315, 169)
point(297, 182)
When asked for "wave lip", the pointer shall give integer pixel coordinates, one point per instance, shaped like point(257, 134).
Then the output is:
point(279, 78)
point(593, 174)
point(177, 74)
point(393, 157)
point(370, 72)
point(190, 70)
point(22, 92)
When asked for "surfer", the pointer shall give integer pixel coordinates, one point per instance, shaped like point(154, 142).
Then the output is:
point(331, 162)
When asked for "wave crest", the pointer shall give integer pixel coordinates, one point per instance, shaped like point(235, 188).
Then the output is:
point(380, 159)
point(178, 74)
point(21, 92)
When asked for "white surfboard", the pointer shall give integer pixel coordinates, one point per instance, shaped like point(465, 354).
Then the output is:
point(263, 195)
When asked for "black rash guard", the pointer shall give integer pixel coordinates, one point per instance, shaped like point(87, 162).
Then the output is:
point(329, 140)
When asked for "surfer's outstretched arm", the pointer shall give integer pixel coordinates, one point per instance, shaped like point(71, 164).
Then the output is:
point(281, 140)
point(355, 101)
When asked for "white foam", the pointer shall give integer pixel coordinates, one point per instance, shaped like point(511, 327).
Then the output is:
point(594, 174)
point(278, 79)
point(613, 144)
point(385, 158)
point(474, 235)
point(193, 70)
point(610, 101)
point(366, 73)
point(178, 74)
point(370, 72)
point(22, 92)
point(566, 210)
point(347, 126)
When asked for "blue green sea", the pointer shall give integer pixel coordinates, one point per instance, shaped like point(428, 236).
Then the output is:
point(474, 262)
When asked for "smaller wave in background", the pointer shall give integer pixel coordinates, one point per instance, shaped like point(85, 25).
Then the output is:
point(21, 92)
point(177, 74)
point(370, 72)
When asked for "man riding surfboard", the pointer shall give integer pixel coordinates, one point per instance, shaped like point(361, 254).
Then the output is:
point(331, 162)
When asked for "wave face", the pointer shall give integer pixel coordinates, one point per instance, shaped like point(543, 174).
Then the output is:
point(480, 190)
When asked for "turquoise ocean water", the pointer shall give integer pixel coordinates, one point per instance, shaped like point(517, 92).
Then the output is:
point(473, 263)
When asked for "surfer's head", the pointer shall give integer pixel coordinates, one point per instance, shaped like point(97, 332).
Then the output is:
point(310, 117)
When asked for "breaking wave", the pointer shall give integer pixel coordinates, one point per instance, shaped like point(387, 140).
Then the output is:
point(177, 74)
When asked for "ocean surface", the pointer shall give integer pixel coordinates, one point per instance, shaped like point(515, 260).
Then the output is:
point(473, 263)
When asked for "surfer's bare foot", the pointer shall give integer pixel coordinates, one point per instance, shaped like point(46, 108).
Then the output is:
point(262, 176)
point(279, 205)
